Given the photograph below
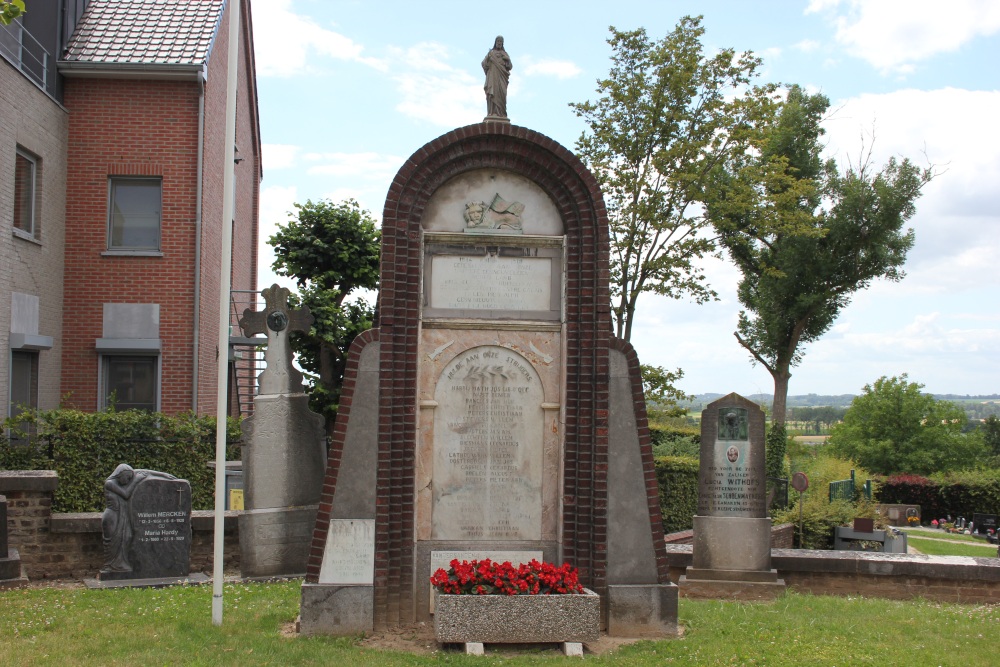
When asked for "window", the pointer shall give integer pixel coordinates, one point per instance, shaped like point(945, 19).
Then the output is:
point(130, 382)
point(23, 391)
point(134, 214)
point(25, 168)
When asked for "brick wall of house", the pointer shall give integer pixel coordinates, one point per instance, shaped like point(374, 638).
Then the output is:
point(36, 123)
point(248, 174)
point(150, 128)
point(124, 127)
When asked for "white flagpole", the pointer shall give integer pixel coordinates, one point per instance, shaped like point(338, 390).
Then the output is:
point(225, 285)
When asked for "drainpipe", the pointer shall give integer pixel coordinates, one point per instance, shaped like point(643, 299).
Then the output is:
point(197, 244)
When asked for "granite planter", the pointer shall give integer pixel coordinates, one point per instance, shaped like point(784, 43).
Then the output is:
point(517, 619)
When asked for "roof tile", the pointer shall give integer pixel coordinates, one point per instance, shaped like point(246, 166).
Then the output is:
point(145, 31)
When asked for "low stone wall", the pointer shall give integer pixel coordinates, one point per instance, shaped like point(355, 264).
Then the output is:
point(62, 546)
point(781, 536)
point(896, 576)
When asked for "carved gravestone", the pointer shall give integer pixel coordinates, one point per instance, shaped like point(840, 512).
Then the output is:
point(10, 559)
point(146, 526)
point(284, 452)
point(731, 555)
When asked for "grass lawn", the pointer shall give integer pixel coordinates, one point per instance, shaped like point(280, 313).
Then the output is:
point(173, 626)
point(951, 548)
point(942, 535)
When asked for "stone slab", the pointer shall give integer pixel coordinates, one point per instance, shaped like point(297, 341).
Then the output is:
point(28, 480)
point(490, 283)
point(284, 453)
point(3, 525)
point(275, 542)
point(517, 619)
point(488, 446)
point(730, 590)
point(349, 556)
point(631, 556)
point(150, 582)
point(572, 649)
point(760, 576)
point(336, 610)
point(10, 564)
point(648, 611)
point(732, 543)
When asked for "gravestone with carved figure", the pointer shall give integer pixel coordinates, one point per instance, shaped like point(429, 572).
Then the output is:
point(284, 450)
point(11, 575)
point(731, 553)
point(490, 413)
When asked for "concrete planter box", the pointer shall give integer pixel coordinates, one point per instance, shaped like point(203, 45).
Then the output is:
point(517, 619)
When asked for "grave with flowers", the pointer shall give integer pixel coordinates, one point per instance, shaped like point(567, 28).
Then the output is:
point(490, 414)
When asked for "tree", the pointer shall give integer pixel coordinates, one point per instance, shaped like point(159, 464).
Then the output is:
point(892, 428)
point(805, 236)
point(990, 429)
point(331, 250)
point(667, 115)
point(10, 10)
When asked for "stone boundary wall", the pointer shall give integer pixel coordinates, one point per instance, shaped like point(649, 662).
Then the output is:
point(782, 536)
point(895, 576)
point(69, 546)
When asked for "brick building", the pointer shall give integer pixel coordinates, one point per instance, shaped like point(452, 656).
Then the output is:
point(111, 183)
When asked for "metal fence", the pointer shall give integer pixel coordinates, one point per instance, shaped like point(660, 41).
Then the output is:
point(845, 489)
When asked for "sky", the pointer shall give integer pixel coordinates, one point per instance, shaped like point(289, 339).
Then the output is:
point(349, 89)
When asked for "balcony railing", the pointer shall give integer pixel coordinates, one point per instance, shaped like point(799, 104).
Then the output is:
point(24, 52)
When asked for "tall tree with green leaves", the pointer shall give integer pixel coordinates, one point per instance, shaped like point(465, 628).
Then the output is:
point(805, 235)
point(893, 428)
point(10, 10)
point(666, 116)
point(332, 251)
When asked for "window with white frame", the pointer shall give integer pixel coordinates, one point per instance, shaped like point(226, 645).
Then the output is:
point(134, 206)
point(130, 381)
point(25, 176)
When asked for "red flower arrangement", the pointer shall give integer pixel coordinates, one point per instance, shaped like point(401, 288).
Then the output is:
point(484, 577)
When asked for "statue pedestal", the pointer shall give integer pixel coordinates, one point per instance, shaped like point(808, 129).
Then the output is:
point(497, 119)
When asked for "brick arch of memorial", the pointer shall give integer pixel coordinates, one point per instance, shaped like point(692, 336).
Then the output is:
point(576, 195)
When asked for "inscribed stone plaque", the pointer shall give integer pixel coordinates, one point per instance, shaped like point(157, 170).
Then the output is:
point(488, 430)
point(732, 476)
point(349, 556)
point(146, 526)
point(491, 283)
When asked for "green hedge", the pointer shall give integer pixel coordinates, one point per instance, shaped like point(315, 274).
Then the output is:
point(85, 447)
point(677, 478)
point(670, 439)
point(961, 493)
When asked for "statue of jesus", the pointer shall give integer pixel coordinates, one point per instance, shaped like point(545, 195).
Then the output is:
point(497, 67)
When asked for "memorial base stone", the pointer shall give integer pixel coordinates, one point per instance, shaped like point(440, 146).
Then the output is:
point(642, 610)
point(275, 542)
point(741, 589)
point(11, 573)
point(732, 543)
point(329, 609)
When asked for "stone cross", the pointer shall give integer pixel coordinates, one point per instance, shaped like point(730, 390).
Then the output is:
point(277, 321)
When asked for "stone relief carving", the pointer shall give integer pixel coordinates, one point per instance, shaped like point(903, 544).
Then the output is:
point(733, 424)
point(497, 215)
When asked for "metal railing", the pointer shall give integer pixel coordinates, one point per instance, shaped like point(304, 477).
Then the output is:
point(246, 354)
point(27, 54)
point(845, 489)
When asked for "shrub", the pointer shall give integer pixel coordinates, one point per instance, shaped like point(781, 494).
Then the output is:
point(677, 478)
point(956, 493)
point(85, 447)
point(675, 438)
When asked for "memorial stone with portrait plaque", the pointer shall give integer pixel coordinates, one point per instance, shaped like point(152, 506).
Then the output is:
point(731, 553)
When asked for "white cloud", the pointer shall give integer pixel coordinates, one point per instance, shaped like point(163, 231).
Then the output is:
point(561, 69)
point(279, 156)
point(285, 43)
point(806, 45)
point(275, 205)
point(357, 165)
point(434, 91)
point(892, 35)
